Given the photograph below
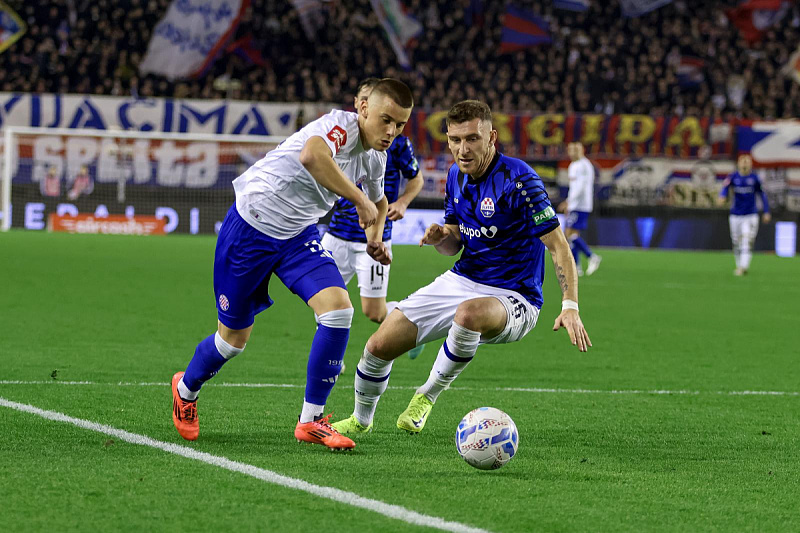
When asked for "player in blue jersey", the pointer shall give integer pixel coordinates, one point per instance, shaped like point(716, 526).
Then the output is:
point(497, 211)
point(271, 229)
point(347, 241)
point(744, 213)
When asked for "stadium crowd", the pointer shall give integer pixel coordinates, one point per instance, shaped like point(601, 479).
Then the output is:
point(598, 61)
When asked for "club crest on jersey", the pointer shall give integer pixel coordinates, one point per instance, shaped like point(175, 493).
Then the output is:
point(338, 137)
point(223, 302)
point(487, 207)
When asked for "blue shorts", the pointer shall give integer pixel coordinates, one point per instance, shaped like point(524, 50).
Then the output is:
point(245, 259)
point(578, 220)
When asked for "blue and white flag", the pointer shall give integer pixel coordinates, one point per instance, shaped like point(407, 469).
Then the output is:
point(636, 8)
point(400, 28)
point(11, 27)
point(572, 5)
point(189, 37)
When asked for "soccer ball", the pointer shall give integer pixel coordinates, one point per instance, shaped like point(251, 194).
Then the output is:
point(487, 438)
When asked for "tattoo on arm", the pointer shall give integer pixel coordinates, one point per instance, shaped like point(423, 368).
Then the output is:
point(562, 279)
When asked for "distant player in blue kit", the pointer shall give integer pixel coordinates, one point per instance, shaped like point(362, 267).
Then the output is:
point(347, 241)
point(744, 213)
point(578, 206)
point(272, 229)
point(497, 211)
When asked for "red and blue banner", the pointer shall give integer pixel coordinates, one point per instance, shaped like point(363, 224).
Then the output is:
point(544, 136)
point(754, 17)
point(523, 29)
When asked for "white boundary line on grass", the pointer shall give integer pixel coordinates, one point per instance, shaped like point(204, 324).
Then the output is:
point(487, 389)
point(348, 498)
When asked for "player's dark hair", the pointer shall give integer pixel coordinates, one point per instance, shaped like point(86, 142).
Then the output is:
point(467, 110)
point(368, 83)
point(396, 90)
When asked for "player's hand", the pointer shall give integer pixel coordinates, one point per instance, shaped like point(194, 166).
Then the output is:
point(434, 235)
point(562, 207)
point(367, 213)
point(571, 320)
point(379, 252)
point(397, 210)
point(721, 200)
point(765, 218)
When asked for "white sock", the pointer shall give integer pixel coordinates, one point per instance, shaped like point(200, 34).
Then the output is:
point(185, 393)
point(310, 412)
point(372, 378)
point(747, 256)
point(747, 253)
point(461, 343)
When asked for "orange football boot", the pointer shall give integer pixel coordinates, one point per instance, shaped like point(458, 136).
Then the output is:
point(321, 432)
point(184, 413)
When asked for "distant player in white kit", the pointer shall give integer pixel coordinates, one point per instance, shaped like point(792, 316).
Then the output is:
point(578, 206)
point(272, 229)
point(744, 213)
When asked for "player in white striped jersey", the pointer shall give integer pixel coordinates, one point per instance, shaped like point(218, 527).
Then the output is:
point(578, 205)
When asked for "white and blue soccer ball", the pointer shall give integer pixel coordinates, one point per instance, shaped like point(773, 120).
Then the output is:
point(487, 438)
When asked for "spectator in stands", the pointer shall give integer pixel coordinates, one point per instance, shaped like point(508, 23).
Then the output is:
point(599, 62)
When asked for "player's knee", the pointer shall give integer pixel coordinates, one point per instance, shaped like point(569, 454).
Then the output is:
point(227, 348)
point(338, 318)
point(376, 315)
point(378, 346)
point(470, 315)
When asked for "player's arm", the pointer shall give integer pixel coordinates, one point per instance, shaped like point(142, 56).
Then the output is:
point(397, 210)
point(765, 217)
point(375, 245)
point(317, 158)
point(567, 274)
point(446, 239)
point(723, 193)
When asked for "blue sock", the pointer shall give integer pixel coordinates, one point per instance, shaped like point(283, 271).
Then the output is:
point(206, 362)
point(325, 362)
point(581, 245)
point(575, 254)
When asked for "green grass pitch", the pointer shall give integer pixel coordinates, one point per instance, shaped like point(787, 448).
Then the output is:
point(130, 309)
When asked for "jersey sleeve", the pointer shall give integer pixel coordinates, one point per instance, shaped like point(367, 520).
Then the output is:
point(723, 193)
point(373, 185)
point(760, 190)
point(408, 164)
point(335, 129)
point(529, 197)
point(449, 206)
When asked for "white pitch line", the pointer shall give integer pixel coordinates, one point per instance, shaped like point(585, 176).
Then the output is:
point(658, 392)
point(348, 498)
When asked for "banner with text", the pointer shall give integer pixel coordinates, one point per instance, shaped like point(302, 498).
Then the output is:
point(189, 37)
point(155, 114)
point(545, 136)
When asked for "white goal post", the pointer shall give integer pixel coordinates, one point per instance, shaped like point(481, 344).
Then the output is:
point(179, 182)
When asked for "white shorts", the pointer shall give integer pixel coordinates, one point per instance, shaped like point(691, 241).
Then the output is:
point(352, 259)
point(433, 307)
point(743, 227)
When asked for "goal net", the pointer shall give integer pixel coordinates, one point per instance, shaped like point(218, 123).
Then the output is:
point(93, 181)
